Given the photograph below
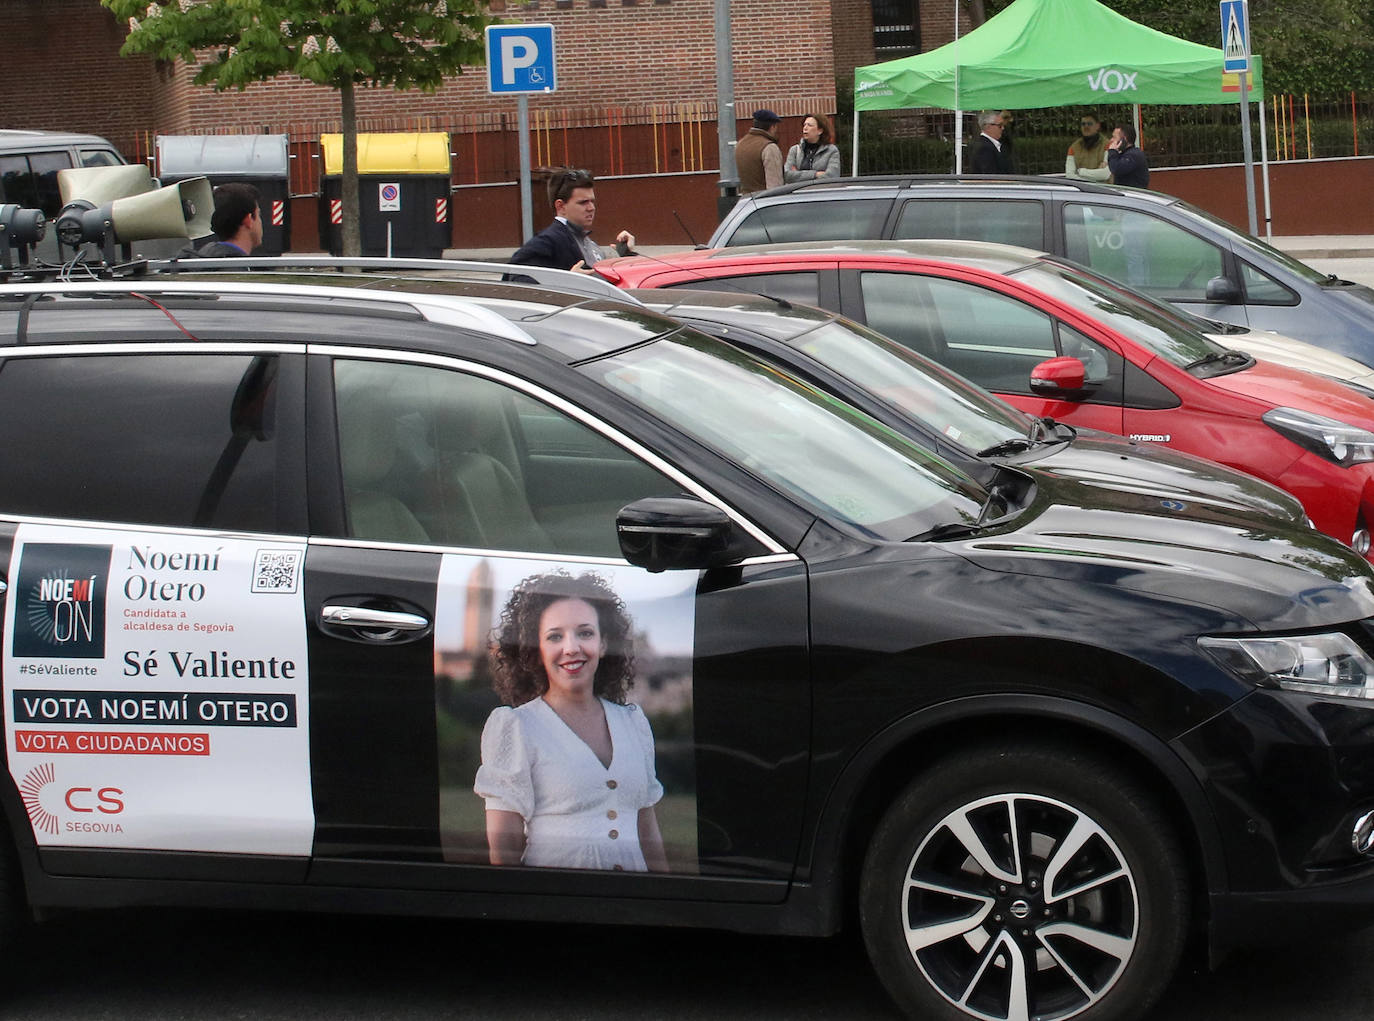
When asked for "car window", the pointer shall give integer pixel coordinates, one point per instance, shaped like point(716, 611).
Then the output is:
point(990, 338)
point(1102, 367)
point(802, 287)
point(182, 440)
point(99, 158)
point(1140, 321)
point(45, 166)
point(17, 183)
point(812, 220)
point(924, 390)
point(821, 452)
point(432, 455)
point(1005, 222)
point(1141, 250)
point(1262, 289)
point(1248, 243)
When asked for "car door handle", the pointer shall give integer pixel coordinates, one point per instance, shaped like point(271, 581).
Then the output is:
point(367, 617)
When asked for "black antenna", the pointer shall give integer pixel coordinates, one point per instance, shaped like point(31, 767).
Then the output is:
point(685, 230)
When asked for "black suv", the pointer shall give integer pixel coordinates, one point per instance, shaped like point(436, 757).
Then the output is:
point(1154, 242)
point(418, 593)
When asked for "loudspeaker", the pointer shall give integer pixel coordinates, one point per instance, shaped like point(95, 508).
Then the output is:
point(180, 210)
point(98, 185)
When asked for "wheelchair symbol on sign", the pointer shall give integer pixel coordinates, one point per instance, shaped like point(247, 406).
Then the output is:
point(536, 76)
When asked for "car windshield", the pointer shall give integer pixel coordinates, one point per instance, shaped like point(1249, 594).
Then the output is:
point(821, 452)
point(1253, 245)
point(1163, 334)
point(943, 402)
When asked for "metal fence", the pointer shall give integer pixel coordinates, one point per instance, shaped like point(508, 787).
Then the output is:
point(681, 137)
point(1296, 127)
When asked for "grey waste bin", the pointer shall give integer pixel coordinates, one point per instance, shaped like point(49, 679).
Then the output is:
point(259, 160)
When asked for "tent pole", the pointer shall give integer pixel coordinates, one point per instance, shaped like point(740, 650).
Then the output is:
point(1135, 119)
point(854, 164)
point(1264, 169)
point(958, 142)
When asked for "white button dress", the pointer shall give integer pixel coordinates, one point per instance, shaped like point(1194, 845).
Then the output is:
point(578, 813)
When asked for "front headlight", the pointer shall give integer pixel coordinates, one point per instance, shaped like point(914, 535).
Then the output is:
point(1330, 664)
point(1325, 437)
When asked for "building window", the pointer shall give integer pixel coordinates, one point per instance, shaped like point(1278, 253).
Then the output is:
point(896, 28)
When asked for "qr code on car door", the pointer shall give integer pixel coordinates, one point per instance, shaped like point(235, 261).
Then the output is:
point(276, 570)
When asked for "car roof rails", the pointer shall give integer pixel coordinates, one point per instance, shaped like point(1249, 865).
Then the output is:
point(583, 284)
point(913, 180)
point(443, 309)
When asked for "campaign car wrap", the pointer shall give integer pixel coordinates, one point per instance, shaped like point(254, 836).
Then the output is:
point(503, 748)
point(156, 690)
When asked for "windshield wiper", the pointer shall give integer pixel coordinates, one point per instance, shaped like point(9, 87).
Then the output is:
point(1227, 357)
point(1014, 445)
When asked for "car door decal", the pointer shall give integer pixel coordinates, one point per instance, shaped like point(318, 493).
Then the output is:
point(156, 690)
point(507, 751)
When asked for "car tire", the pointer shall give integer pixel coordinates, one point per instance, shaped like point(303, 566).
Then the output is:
point(1019, 882)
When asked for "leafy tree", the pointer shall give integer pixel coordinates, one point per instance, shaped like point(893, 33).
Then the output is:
point(403, 44)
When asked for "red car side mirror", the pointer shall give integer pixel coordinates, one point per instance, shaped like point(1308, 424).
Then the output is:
point(1059, 377)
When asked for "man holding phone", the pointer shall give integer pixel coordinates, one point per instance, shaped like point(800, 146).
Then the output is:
point(566, 243)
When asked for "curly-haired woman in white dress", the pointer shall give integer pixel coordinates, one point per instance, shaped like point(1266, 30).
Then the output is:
point(567, 765)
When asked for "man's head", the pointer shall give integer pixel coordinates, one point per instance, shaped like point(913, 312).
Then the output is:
point(572, 196)
point(1126, 133)
point(766, 120)
point(1090, 125)
point(1008, 118)
point(237, 218)
point(990, 123)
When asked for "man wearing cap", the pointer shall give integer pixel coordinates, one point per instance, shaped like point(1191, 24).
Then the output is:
point(758, 157)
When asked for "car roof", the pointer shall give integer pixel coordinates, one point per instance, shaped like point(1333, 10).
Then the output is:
point(15, 138)
point(982, 255)
point(893, 183)
point(566, 325)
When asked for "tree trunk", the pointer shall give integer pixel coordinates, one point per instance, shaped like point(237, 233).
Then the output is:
point(352, 222)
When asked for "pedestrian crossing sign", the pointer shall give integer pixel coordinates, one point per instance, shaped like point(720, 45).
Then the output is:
point(1235, 36)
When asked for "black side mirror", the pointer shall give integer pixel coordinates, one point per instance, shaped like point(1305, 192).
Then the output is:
point(675, 533)
point(1223, 291)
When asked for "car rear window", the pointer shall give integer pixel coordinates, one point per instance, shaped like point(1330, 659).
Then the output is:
point(812, 219)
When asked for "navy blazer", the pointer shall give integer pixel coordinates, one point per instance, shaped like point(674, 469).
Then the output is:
point(554, 247)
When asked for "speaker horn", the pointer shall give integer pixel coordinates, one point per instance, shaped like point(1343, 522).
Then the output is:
point(98, 185)
point(180, 210)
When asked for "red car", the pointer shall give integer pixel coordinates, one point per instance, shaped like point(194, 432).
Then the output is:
point(1058, 341)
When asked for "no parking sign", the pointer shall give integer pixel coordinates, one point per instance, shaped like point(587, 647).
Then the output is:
point(389, 197)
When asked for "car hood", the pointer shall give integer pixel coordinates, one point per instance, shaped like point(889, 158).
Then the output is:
point(1117, 469)
point(1271, 577)
point(1281, 387)
point(1297, 354)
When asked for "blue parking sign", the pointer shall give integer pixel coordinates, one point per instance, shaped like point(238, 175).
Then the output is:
point(520, 58)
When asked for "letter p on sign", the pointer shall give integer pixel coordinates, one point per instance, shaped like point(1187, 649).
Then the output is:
point(517, 51)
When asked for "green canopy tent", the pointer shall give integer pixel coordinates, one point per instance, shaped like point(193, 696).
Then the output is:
point(1039, 53)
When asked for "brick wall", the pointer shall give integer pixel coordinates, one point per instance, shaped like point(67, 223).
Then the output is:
point(616, 55)
point(63, 73)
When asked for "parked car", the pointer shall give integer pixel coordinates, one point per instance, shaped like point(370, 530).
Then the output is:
point(29, 162)
point(257, 531)
point(944, 412)
point(1154, 242)
point(1061, 343)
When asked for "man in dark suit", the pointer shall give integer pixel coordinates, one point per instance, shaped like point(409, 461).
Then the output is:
point(988, 156)
point(236, 221)
point(566, 243)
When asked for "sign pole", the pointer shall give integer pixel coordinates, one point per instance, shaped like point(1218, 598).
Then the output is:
point(1235, 56)
point(1249, 153)
point(521, 59)
point(522, 123)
